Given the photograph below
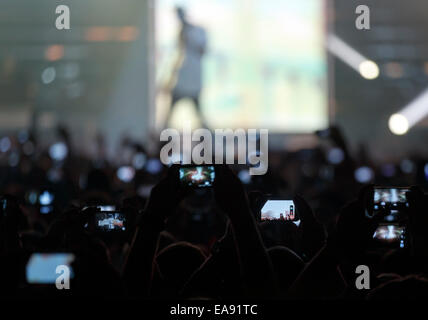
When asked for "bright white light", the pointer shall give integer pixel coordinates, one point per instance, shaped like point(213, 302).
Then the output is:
point(58, 151)
point(364, 174)
point(126, 173)
point(398, 124)
point(426, 171)
point(48, 75)
point(369, 70)
point(46, 198)
point(414, 112)
point(244, 176)
point(139, 161)
point(153, 166)
point(5, 144)
point(335, 156)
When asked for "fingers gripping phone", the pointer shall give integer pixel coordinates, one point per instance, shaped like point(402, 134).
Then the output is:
point(197, 176)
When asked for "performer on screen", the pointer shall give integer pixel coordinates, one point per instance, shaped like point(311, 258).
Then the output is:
point(187, 73)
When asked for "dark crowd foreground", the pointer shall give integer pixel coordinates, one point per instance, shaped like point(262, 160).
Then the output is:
point(207, 243)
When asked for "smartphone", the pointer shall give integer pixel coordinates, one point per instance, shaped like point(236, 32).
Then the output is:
point(110, 221)
point(393, 235)
point(279, 210)
point(105, 207)
point(41, 267)
point(197, 176)
point(389, 200)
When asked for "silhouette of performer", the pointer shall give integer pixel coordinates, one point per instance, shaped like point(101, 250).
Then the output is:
point(188, 69)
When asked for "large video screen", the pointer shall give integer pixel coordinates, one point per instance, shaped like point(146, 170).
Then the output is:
point(264, 65)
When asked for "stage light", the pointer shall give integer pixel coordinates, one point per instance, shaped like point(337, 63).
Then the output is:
point(394, 70)
point(5, 144)
point(139, 160)
point(58, 151)
point(54, 52)
point(398, 124)
point(46, 198)
point(364, 174)
point(335, 156)
point(415, 111)
point(244, 176)
point(126, 34)
point(98, 34)
point(426, 171)
point(367, 68)
point(48, 75)
point(126, 173)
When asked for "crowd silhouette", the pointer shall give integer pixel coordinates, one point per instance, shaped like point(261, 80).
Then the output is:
point(207, 243)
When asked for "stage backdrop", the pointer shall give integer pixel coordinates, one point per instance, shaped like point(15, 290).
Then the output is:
point(265, 65)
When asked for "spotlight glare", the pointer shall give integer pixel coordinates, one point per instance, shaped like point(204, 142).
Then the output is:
point(369, 69)
point(398, 124)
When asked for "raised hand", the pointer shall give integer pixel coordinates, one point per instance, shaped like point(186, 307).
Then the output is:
point(312, 232)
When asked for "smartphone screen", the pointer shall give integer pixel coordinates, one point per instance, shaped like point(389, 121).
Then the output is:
point(105, 207)
point(388, 199)
point(110, 221)
point(197, 176)
point(279, 210)
point(390, 234)
point(41, 267)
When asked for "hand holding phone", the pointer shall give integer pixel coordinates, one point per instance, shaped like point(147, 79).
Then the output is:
point(110, 221)
point(279, 210)
point(41, 267)
point(389, 205)
point(199, 176)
